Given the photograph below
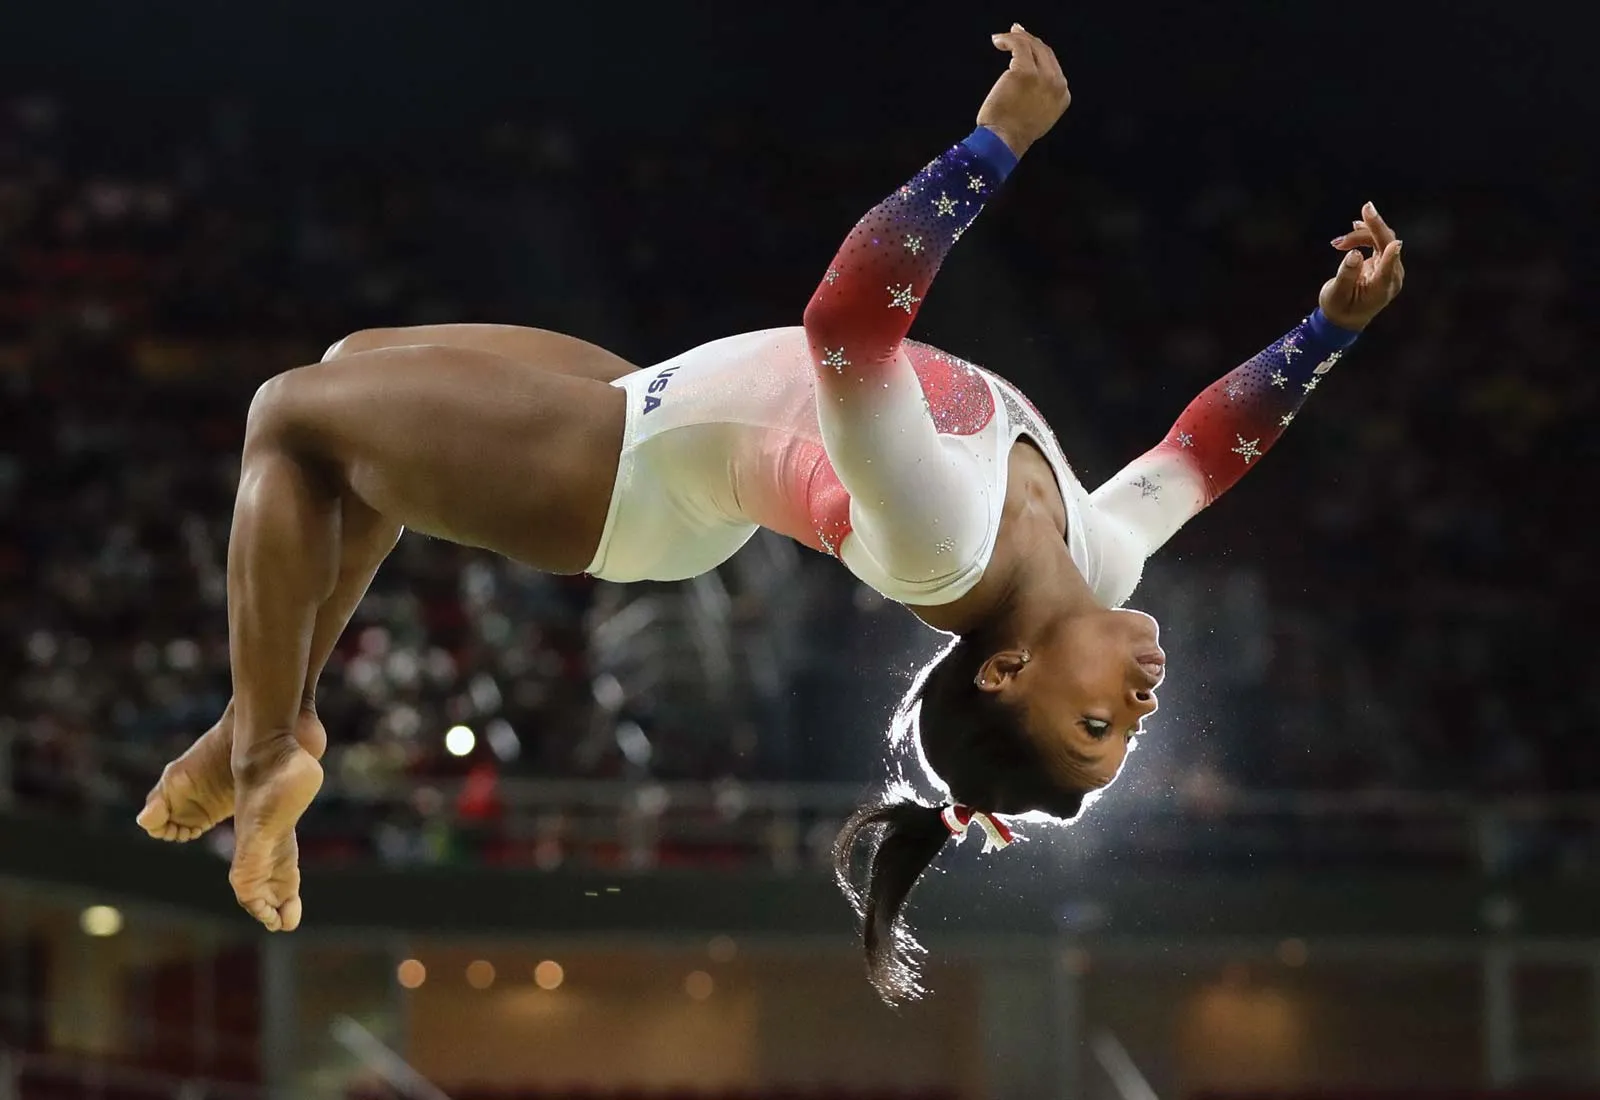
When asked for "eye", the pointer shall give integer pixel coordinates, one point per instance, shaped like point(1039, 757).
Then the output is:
point(1096, 727)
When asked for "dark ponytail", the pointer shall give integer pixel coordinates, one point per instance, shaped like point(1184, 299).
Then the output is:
point(903, 837)
point(976, 746)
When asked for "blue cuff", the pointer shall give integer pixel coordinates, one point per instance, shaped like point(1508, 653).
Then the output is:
point(990, 149)
point(1327, 332)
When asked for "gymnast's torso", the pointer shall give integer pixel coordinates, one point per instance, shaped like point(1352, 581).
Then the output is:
point(727, 437)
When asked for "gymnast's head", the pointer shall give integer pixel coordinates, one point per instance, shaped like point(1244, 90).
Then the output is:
point(1008, 730)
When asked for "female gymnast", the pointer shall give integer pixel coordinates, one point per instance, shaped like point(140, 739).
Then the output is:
point(932, 480)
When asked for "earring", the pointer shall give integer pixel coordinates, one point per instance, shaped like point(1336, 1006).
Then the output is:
point(1026, 656)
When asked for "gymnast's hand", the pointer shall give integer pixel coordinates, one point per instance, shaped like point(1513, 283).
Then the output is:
point(1029, 96)
point(1364, 284)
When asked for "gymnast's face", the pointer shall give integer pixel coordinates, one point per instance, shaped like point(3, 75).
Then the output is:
point(1085, 691)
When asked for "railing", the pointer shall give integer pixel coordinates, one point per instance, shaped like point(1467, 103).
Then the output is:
point(29, 1076)
point(789, 827)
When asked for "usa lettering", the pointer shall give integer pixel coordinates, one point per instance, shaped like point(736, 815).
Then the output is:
point(657, 384)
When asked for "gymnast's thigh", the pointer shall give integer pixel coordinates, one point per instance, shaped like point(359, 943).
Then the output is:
point(457, 443)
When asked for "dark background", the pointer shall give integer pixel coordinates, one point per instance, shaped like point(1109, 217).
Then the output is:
point(1395, 601)
point(1356, 851)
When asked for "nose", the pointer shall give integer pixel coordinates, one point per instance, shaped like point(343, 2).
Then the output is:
point(1143, 701)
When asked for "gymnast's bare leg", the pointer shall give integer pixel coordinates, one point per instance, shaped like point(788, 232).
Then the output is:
point(453, 441)
point(195, 791)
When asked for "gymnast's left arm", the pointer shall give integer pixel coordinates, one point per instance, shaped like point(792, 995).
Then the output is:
point(1237, 419)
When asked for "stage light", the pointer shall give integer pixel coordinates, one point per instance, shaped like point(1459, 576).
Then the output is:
point(548, 974)
point(411, 974)
point(480, 974)
point(459, 741)
point(101, 921)
point(698, 985)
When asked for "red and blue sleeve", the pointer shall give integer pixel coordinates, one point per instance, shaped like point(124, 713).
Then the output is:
point(865, 304)
point(919, 508)
point(1222, 433)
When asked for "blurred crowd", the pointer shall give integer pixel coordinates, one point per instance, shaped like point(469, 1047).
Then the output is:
point(1390, 602)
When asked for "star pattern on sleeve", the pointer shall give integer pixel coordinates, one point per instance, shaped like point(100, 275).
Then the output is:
point(834, 357)
point(944, 206)
point(1240, 417)
point(1146, 487)
point(832, 276)
point(976, 183)
point(913, 243)
point(902, 298)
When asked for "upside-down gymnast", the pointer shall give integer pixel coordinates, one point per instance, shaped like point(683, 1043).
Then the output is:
point(932, 480)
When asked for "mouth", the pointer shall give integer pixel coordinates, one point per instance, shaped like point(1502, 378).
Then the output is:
point(1154, 665)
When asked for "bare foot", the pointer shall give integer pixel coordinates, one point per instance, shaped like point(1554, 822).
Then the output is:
point(195, 791)
point(266, 856)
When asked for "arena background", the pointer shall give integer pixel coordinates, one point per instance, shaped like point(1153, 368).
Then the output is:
point(1356, 856)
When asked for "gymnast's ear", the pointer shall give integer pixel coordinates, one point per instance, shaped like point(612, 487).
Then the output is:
point(999, 669)
point(902, 839)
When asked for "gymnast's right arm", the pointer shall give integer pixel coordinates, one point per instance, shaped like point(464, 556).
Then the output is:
point(875, 424)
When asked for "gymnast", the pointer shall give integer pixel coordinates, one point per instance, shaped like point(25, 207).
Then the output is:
point(931, 479)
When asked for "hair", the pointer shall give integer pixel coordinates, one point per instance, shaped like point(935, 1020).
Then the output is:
point(976, 744)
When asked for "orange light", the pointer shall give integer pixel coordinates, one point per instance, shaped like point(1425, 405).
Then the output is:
point(698, 985)
point(480, 974)
point(549, 975)
point(412, 974)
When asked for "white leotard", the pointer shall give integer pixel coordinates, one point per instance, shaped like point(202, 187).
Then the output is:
point(729, 436)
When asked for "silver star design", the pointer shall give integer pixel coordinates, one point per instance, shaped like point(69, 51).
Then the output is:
point(1247, 448)
point(1327, 364)
point(1185, 439)
point(1286, 419)
point(975, 182)
point(834, 357)
point(944, 206)
point(913, 244)
point(1232, 389)
point(906, 191)
point(944, 545)
point(1146, 487)
point(1279, 379)
point(1311, 385)
point(902, 297)
point(827, 543)
point(832, 276)
point(1291, 348)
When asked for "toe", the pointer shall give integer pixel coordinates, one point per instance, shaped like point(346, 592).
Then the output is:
point(265, 913)
point(154, 817)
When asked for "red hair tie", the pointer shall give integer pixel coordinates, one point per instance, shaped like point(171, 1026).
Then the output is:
point(996, 834)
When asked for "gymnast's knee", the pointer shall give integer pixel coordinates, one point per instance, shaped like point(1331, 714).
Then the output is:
point(366, 339)
point(280, 414)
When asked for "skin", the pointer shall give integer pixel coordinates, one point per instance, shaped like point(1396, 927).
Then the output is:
point(508, 439)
